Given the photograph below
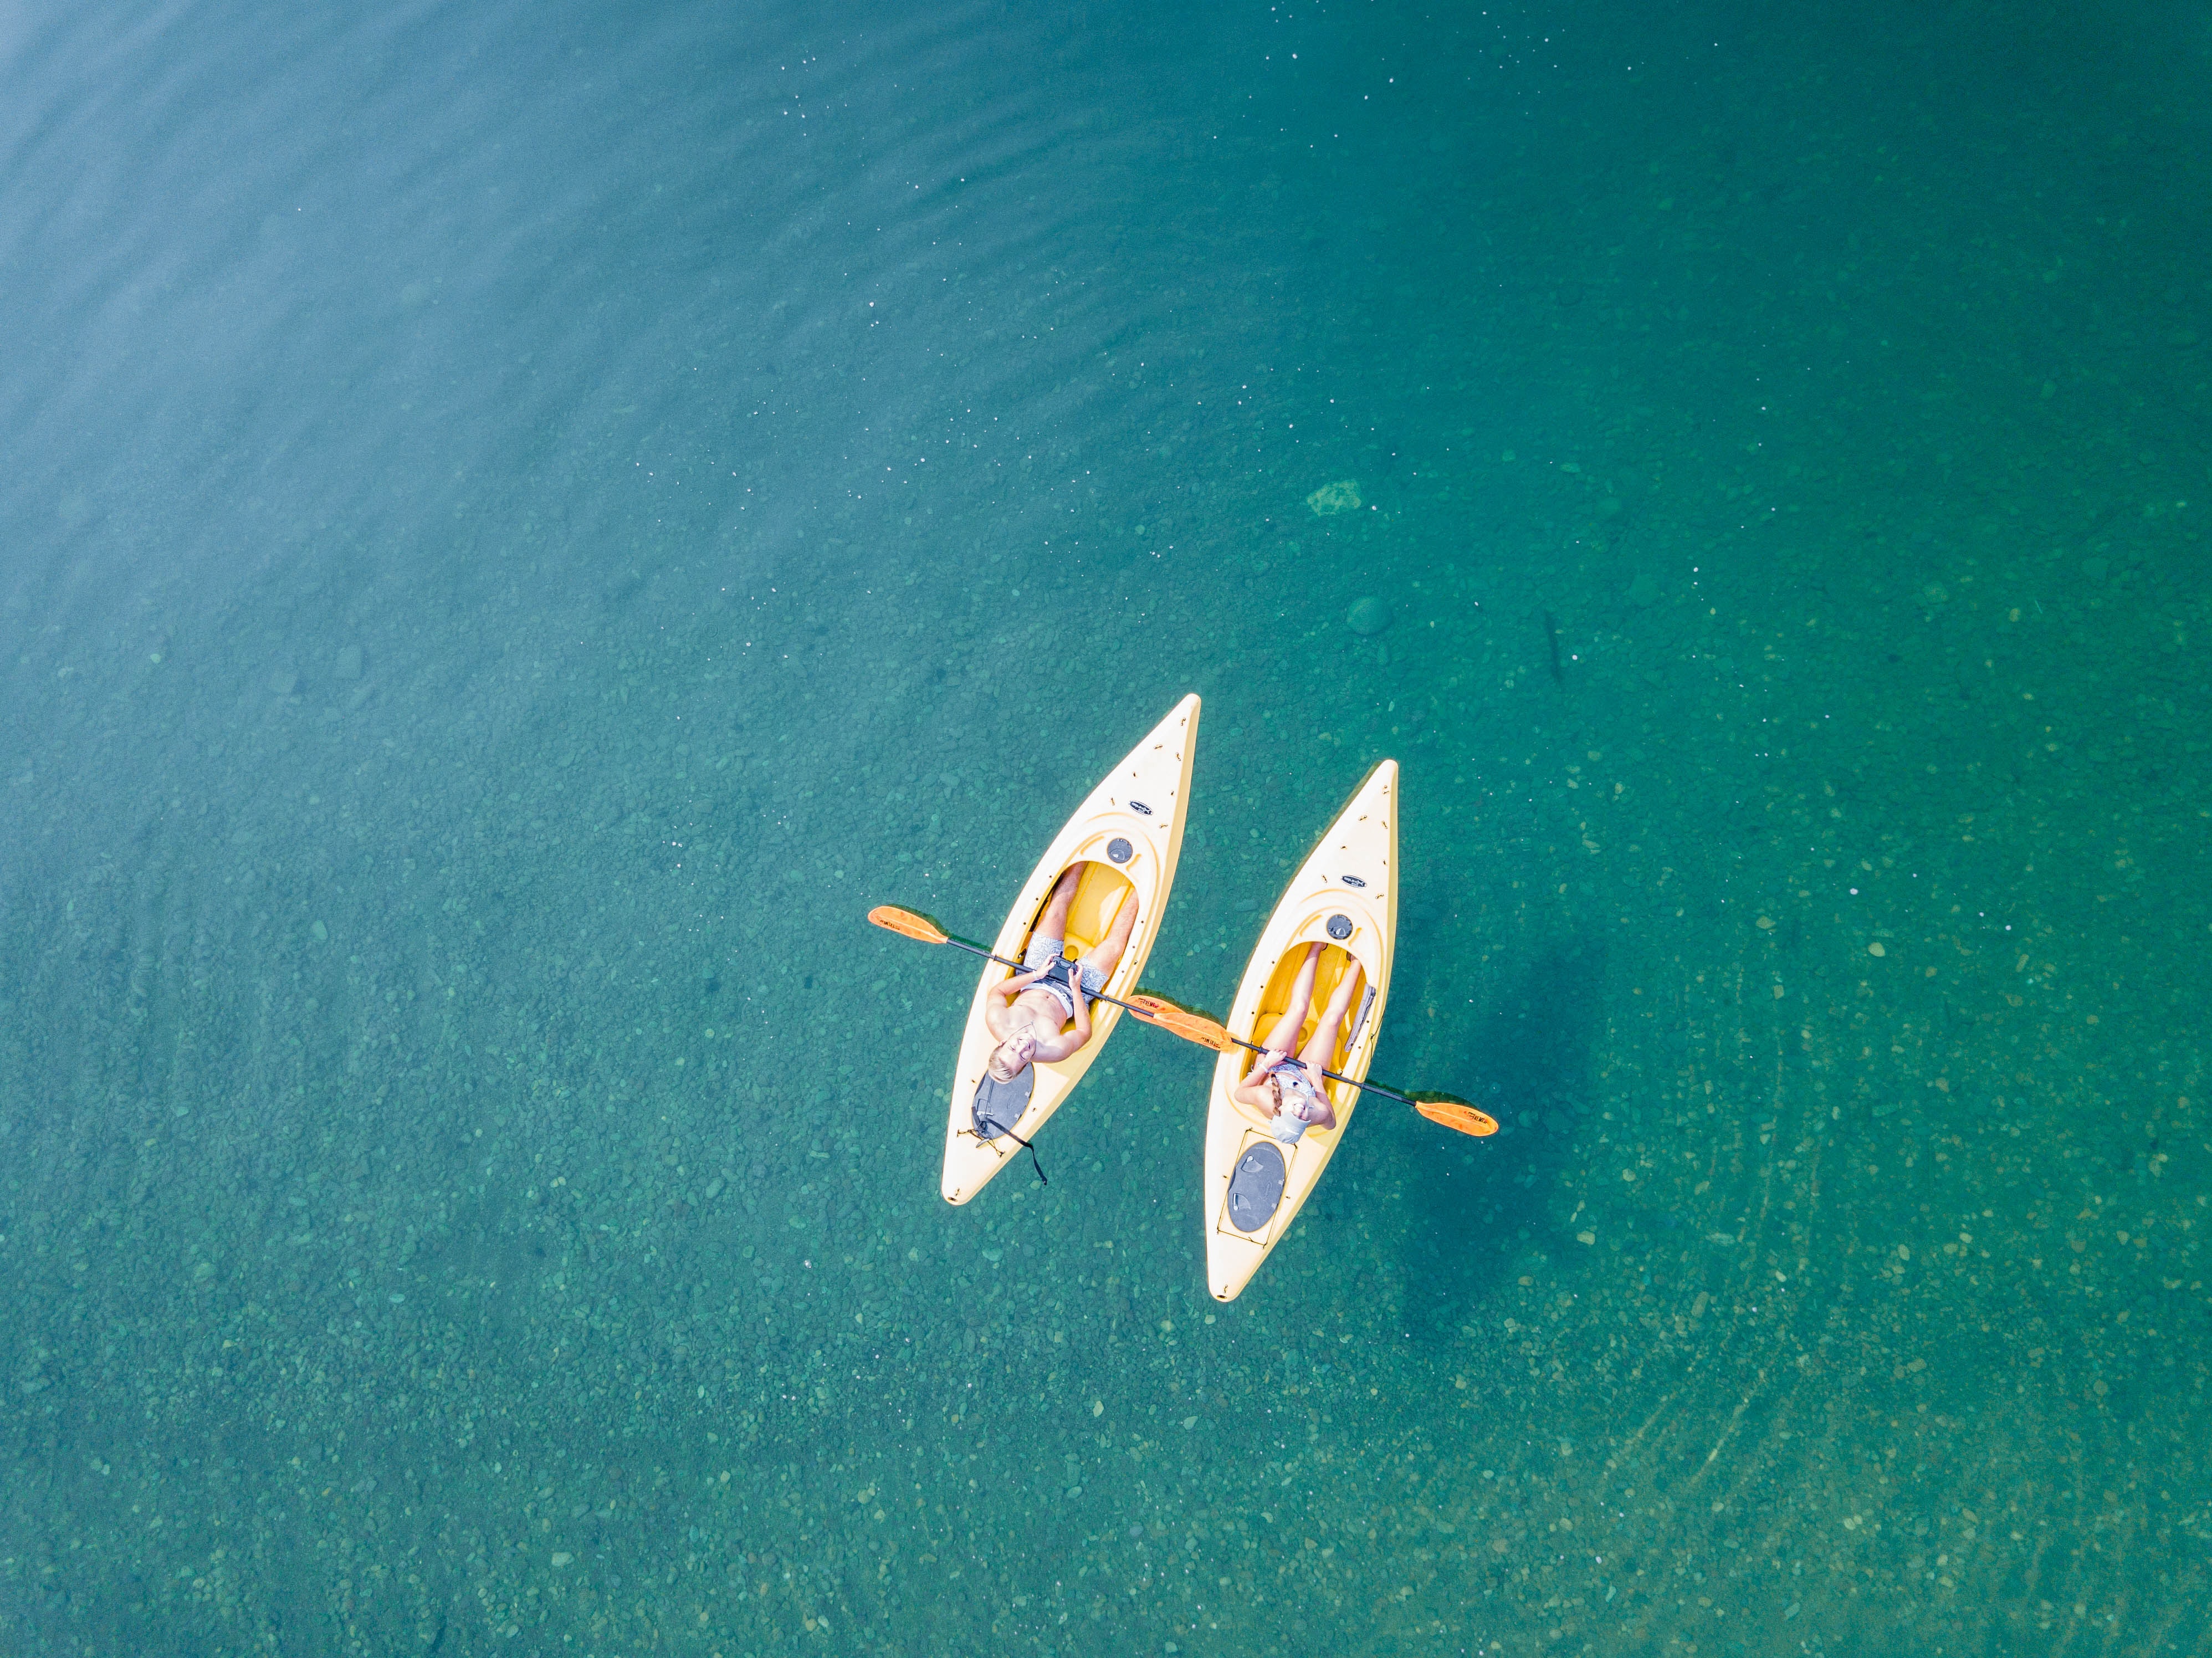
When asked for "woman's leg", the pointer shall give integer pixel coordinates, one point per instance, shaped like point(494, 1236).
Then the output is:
point(1285, 1035)
point(1320, 1050)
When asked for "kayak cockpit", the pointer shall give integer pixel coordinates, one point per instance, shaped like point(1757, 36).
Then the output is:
point(1098, 899)
point(1336, 960)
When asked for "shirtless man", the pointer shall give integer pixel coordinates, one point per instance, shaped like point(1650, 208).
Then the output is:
point(1288, 1093)
point(1027, 1011)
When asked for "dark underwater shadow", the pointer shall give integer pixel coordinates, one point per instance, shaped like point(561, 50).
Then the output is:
point(1473, 1208)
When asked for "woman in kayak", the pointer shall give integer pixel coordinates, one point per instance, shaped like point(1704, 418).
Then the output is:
point(1028, 1011)
point(1288, 1093)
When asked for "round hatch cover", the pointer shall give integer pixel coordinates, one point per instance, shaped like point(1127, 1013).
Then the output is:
point(1255, 1189)
point(1119, 850)
point(1339, 927)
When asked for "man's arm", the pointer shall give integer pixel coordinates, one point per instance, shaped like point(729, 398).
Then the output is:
point(1050, 1048)
point(1002, 996)
point(1006, 989)
point(1061, 1044)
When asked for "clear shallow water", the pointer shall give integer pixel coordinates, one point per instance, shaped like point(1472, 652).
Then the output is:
point(522, 525)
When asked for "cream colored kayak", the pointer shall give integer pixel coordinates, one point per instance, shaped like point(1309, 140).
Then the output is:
point(1346, 895)
point(1128, 835)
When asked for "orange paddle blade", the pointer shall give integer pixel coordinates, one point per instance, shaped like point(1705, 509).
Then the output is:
point(1452, 1114)
point(1191, 1027)
point(907, 923)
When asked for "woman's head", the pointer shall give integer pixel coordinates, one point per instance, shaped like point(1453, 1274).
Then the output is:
point(1292, 1100)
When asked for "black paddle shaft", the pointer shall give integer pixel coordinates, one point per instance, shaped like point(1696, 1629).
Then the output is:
point(1334, 1076)
point(1018, 966)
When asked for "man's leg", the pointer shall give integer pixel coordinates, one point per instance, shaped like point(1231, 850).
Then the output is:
point(1320, 1050)
point(1105, 955)
point(1285, 1035)
point(1053, 924)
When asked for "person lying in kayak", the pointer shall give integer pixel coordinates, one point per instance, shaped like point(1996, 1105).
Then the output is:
point(1289, 1094)
point(1028, 1010)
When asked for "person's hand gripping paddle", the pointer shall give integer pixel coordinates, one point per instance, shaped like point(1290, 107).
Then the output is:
point(1446, 1109)
point(1157, 1011)
point(913, 924)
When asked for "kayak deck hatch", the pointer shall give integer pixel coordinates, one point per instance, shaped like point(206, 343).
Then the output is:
point(1255, 1190)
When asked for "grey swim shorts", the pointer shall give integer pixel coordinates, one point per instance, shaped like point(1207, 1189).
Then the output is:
point(1047, 952)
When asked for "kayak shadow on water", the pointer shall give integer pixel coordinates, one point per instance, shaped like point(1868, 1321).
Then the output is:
point(1476, 1209)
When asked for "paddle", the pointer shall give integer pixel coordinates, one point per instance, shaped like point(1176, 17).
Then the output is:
point(1447, 1109)
point(911, 924)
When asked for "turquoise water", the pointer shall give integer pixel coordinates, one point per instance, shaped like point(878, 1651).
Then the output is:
point(522, 524)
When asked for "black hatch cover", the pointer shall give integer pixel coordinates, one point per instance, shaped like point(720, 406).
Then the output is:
point(998, 1106)
point(1255, 1190)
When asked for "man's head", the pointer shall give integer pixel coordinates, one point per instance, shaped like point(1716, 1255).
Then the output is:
point(1012, 1057)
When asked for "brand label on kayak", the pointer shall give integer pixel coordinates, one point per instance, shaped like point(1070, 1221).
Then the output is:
point(1139, 805)
point(1353, 881)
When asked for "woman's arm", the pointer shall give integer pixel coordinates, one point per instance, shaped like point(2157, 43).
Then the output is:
point(1255, 1093)
point(1320, 1085)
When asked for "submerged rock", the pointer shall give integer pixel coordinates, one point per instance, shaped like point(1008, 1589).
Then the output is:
point(1342, 496)
point(1369, 617)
